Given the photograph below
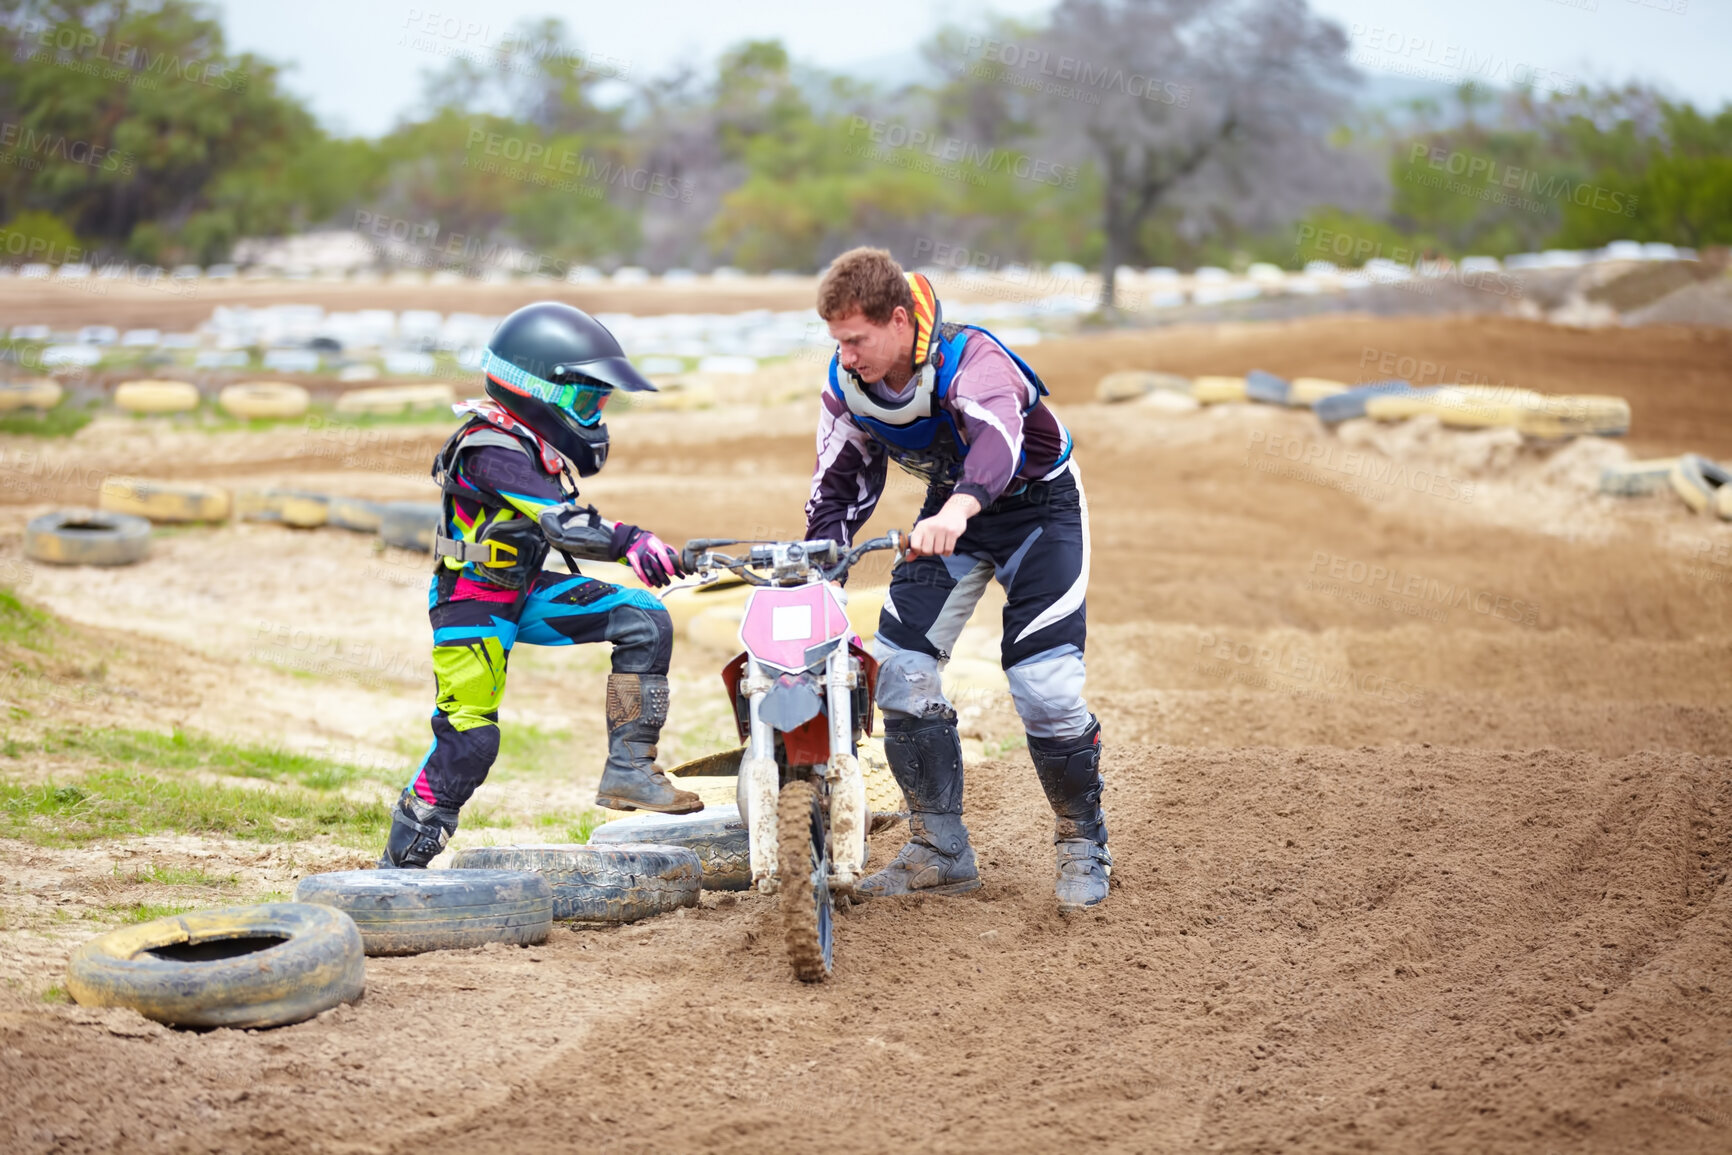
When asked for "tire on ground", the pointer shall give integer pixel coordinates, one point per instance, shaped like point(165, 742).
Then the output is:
point(1348, 405)
point(1130, 384)
point(716, 834)
point(391, 400)
point(44, 393)
point(156, 396)
point(164, 501)
point(621, 882)
point(244, 966)
point(411, 911)
point(1267, 388)
point(1308, 391)
point(354, 514)
point(1576, 415)
point(722, 764)
point(1638, 477)
point(1398, 406)
point(287, 506)
point(1696, 479)
point(252, 399)
point(409, 525)
point(1215, 390)
point(87, 537)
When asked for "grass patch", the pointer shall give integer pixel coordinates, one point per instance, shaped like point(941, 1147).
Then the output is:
point(575, 832)
point(24, 625)
point(119, 803)
point(63, 420)
point(525, 748)
point(132, 912)
point(56, 994)
point(181, 750)
point(176, 876)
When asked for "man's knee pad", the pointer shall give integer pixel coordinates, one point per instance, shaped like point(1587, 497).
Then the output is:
point(1048, 692)
point(643, 639)
point(910, 684)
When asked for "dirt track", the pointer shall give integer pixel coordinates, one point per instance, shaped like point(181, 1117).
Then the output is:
point(1432, 861)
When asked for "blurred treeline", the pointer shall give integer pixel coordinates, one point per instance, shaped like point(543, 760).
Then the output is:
point(131, 131)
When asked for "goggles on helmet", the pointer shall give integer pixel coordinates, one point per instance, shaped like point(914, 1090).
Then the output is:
point(581, 400)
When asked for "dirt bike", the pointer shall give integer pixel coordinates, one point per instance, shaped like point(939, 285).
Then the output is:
point(802, 694)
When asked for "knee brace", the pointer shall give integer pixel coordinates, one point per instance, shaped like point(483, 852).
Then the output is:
point(643, 639)
point(910, 684)
point(1047, 690)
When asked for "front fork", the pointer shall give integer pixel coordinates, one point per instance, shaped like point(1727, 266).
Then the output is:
point(760, 779)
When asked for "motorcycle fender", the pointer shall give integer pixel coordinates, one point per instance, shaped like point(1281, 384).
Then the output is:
point(848, 821)
point(760, 782)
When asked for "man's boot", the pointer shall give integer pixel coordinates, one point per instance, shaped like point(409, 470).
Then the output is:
point(637, 706)
point(925, 755)
point(419, 831)
point(1070, 773)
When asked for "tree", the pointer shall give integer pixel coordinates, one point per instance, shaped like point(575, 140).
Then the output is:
point(1210, 106)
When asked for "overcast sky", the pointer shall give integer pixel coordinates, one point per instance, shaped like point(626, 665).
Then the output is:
point(359, 62)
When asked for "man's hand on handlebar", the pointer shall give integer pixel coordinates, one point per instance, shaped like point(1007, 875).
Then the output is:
point(937, 535)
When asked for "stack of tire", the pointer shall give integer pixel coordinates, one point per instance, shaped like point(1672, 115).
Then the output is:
point(1699, 482)
point(279, 963)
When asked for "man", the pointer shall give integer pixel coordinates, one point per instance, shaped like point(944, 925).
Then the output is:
point(957, 409)
point(508, 498)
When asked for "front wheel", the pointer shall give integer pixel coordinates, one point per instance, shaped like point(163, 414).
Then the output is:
point(803, 864)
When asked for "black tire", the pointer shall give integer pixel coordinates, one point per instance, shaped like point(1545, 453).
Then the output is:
point(716, 834)
point(353, 514)
point(622, 882)
point(803, 872)
point(410, 911)
point(87, 537)
point(241, 966)
point(1345, 406)
point(409, 525)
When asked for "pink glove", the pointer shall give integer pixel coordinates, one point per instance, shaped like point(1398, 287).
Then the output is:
point(654, 561)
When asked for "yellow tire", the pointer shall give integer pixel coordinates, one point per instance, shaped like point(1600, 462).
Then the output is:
point(717, 628)
point(87, 537)
point(243, 966)
point(1396, 406)
point(354, 514)
point(157, 397)
point(1215, 390)
point(1307, 391)
point(291, 508)
point(42, 393)
point(1130, 384)
point(1638, 477)
point(883, 795)
point(1576, 415)
point(1723, 503)
point(254, 399)
point(164, 501)
point(391, 400)
point(1699, 481)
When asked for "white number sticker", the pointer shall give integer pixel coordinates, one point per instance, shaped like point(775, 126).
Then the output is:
point(790, 623)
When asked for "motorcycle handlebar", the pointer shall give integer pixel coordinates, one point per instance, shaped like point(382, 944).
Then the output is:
point(699, 554)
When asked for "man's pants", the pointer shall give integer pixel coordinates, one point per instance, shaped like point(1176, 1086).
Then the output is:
point(474, 628)
point(1037, 545)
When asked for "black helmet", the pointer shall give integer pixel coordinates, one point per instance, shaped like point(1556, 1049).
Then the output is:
point(553, 366)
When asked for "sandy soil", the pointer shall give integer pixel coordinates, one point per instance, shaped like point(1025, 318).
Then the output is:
point(1420, 761)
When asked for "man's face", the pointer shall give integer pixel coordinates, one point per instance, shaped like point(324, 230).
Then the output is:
point(870, 351)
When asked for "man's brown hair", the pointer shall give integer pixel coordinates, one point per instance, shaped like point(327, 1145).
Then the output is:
point(869, 280)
